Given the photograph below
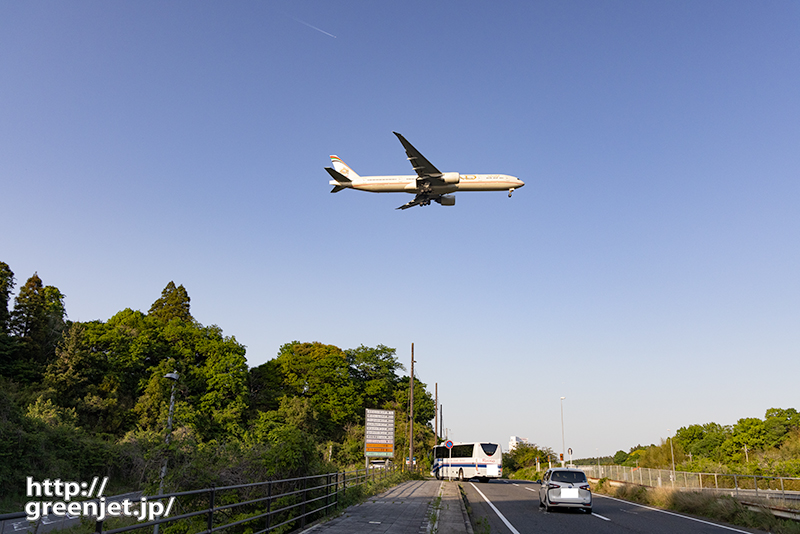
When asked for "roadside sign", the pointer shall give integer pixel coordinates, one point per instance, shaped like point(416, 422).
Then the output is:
point(448, 444)
point(379, 433)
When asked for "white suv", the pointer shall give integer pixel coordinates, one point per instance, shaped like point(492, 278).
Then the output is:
point(565, 487)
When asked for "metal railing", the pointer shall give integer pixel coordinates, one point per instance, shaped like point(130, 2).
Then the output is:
point(255, 508)
point(762, 486)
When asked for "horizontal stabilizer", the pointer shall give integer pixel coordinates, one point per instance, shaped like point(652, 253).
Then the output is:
point(339, 177)
point(337, 188)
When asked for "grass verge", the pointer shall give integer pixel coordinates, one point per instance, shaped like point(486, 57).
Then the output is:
point(721, 508)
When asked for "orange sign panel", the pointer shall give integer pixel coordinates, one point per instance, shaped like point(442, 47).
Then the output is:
point(379, 447)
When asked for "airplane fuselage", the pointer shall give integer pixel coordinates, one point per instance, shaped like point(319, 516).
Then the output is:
point(408, 183)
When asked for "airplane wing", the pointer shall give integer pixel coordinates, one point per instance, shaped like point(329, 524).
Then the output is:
point(422, 166)
point(422, 198)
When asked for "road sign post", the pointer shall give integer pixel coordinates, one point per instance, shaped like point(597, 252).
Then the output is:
point(449, 445)
point(379, 434)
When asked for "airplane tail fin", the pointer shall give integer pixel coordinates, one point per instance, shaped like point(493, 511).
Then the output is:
point(342, 168)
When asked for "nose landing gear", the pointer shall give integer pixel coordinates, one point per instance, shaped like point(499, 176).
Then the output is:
point(510, 191)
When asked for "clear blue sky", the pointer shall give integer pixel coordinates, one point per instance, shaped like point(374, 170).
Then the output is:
point(649, 270)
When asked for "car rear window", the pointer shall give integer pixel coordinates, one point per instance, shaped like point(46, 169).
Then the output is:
point(489, 448)
point(571, 477)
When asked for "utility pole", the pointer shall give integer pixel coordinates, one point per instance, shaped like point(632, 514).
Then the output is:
point(672, 451)
point(436, 416)
point(174, 377)
point(411, 417)
point(563, 447)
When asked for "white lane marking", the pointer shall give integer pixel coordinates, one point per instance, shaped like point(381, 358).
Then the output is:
point(435, 526)
point(673, 513)
point(529, 489)
point(501, 516)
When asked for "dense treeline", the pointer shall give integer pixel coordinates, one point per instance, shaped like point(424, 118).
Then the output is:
point(769, 446)
point(83, 399)
point(521, 462)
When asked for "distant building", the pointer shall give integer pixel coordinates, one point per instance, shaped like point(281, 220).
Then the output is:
point(516, 440)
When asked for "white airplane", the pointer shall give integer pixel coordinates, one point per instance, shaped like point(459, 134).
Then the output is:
point(428, 185)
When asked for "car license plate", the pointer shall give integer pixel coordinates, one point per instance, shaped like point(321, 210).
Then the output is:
point(569, 493)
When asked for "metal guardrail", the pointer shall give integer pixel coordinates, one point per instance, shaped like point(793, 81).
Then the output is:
point(787, 488)
point(273, 504)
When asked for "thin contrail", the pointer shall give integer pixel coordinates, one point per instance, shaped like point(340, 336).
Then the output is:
point(310, 26)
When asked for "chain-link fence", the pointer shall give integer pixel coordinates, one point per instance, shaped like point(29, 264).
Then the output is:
point(783, 487)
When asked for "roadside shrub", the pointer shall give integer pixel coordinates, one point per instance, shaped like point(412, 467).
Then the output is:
point(630, 492)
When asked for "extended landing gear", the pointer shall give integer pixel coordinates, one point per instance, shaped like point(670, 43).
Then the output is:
point(510, 191)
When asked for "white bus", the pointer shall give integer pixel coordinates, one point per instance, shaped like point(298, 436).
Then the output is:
point(467, 460)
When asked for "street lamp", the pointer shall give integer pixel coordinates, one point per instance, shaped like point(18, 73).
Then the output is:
point(174, 377)
point(563, 443)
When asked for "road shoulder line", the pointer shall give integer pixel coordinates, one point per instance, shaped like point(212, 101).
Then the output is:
point(675, 514)
point(493, 507)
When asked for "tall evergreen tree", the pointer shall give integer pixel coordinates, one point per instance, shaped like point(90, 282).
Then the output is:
point(8, 345)
point(174, 303)
point(38, 323)
point(6, 285)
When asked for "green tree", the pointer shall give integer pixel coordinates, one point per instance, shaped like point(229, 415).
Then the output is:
point(100, 369)
point(424, 407)
point(266, 387)
point(525, 455)
point(173, 304)
point(8, 344)
point(374, 373)
point(321, 374)
point(37, 321)
point(660, 456)
point(778, 423)
point(749, 432)
point(211, 395)
point(6, 285)
point(81, 378)
point(620, 457)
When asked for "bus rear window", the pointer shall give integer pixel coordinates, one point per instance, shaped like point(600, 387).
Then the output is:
point(489, 448)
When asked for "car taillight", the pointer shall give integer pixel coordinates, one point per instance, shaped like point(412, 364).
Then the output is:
point(553, 486)
point(585, 486)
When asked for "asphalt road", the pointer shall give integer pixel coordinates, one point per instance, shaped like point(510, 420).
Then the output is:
point(515, 509)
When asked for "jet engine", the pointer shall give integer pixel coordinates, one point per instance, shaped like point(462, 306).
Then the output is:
point(446, 200)
point(450, 177)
